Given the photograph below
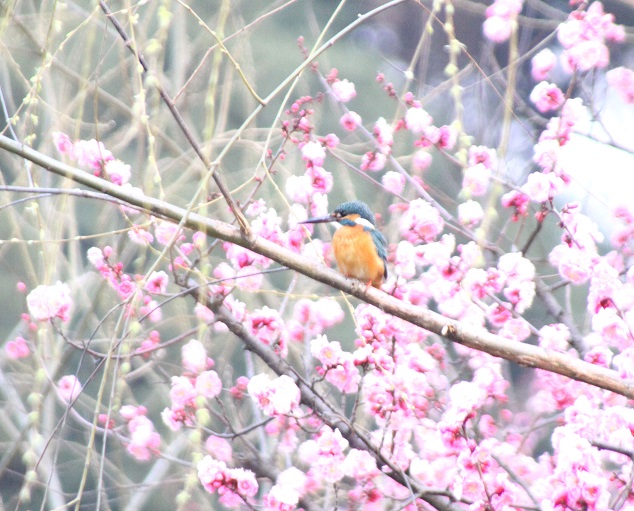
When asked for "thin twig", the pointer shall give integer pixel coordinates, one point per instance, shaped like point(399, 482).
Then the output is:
point(210, 166)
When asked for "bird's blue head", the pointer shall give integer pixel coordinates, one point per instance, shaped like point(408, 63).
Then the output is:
point(354, 209)
point(346, 214)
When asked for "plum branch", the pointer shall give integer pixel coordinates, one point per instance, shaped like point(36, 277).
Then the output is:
point(483, 340)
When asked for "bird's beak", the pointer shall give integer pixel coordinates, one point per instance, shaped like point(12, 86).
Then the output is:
point(319, 220)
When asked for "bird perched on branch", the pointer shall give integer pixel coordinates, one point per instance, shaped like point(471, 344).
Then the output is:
point(360, 249)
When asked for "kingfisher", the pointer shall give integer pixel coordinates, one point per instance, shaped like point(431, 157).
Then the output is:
point(360, 249)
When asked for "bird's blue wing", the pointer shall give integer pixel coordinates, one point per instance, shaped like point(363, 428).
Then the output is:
point(381, 247)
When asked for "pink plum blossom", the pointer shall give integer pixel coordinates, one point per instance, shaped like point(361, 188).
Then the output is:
point(343, 90)
point(241, 257)
point(482, 154)
point(373, 161)
point(547, 96)
point(275, 397)
point(394, 182)
point(219, 448)
point(329, 312)
point(152, 309)
point(547, 152)
point(199, 239)
point(118, 172)
point(327, 454)
point(17, 348)
point(267, 223)
point(622, 80)
point(129, 412)
point(421, 160)
point(599, 355)
point(208, 384)
point(519, 273)
point(48, 302)
point(498, 314)
point(63, 143)
point(330, 140)
point(331, 442)
point(515, 265)
point(267, 325)
point(500, 17)
point(215, 476)
point(194, 357)
point(624, 363)
point(417, 119)
point(516, 200)
point(313, 317)
point(281, 498)
point(448, 135)
point(497, 28)
point(470, 213)
point(249, 278)
point(125, 287)
point(337, 366)
point(69, 388)
point(211, 473)
point(420, 222)
point(542, 63)
point(584, 35)
point(384, 133)
point(464, 399)
point(313, 154)
point(572, 263)
point(203, 313)
point(92, 154)
point(157, 282)
point(476, 179)
point(165, 231)
point(350, 121)
point(431, 136)
point(182, 392)
point(144, 440)
point(540, 187)
point(240, 388)
point(140, 236)
point(321, 180)
point(405, 260)
point(555, 337)
point(515, 329)
point(587, 55)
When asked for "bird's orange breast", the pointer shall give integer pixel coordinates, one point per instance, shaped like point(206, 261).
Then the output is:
point(357, 256)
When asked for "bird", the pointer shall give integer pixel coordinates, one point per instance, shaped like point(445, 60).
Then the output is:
point(359, 248)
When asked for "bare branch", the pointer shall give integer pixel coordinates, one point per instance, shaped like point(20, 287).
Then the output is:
point(523, 354)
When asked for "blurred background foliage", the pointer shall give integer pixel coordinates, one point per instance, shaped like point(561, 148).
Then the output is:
point(64, 68)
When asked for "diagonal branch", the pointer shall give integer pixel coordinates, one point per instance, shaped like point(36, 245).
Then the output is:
point(524, 354)
point(210, 166)
point(331, 416)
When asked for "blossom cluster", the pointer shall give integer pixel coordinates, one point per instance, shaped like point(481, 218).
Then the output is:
point(277, 397)
point(94, 156)
point(49, 302)
point(501, 18)
point(190, 391)
point(584, 36)
point(130, 288)
point(234, 485)
point(143, 442)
